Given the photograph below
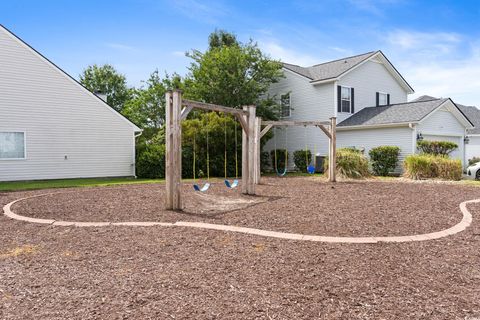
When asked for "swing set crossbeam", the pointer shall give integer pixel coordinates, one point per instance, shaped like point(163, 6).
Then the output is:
point(295, 123)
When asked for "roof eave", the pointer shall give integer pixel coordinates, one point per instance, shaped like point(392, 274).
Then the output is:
point(376, 126)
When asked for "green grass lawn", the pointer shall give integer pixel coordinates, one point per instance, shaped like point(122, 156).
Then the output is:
point(71, 183)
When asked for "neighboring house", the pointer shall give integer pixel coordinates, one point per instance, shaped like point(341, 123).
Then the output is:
point(369, 98)
point(51, 126)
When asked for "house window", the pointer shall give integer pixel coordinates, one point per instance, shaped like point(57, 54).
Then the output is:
point(346, 100)
point(285, 104)
point(382, 99)
point(12, 145)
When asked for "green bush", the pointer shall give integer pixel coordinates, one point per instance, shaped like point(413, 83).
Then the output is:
point(384, 159)
point(150, 161)
point(350, 164)
point(264, 161)
point(436, 147)
point(281, 155)
point(473, 160)
point(427, 166)
point(300, 159)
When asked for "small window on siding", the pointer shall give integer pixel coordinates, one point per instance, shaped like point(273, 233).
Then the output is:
point(382, 99)
point(285, 104)
point(346, 100)
point(12, 145)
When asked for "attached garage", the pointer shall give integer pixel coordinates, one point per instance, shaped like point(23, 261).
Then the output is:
point(404, 124)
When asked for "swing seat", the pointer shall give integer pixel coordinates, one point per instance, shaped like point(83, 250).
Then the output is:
point(201, 189)
point(282, 173)
point(311, 169)
point(232, 185)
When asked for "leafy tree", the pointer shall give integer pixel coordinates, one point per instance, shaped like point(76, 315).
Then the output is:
point(109, 81)
point(220, 38)
point(233, 74)
point(146, 108)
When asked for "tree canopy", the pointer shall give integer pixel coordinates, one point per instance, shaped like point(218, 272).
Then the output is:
point(233, 74)
point(107, 80)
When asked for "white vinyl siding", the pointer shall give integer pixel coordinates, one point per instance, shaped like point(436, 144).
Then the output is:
point(12, 145)
point(368, 79)
point(70, 133)
point(308, 102)
point(366, 139)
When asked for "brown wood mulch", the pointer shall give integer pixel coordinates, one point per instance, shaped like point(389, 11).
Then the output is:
point(49, 272)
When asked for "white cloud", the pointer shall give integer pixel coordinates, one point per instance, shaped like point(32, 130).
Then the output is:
point(121, 47)
point(440, 64)
point(178, 54)
point(201, 11)
point(373, 6)
point(277, 51)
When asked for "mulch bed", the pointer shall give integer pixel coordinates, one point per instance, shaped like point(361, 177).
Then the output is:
point(49, 272)
point(301, 205)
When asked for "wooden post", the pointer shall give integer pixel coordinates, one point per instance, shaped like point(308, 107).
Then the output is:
point(258, 124)
point(245, 155)
point(251, 150)
point(173, 152)
point(332, 156)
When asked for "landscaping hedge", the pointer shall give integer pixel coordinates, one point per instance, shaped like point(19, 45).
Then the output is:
point(473, 160)
point(300, 159)
point(384, 159)
point(350, 164)
point(436, 147)
point(426, 166)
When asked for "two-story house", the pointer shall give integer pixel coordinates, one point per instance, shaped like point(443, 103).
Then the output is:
point(369, 98)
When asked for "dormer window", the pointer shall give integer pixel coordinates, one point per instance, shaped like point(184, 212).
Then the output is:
point(383, 99)
point(345, 100)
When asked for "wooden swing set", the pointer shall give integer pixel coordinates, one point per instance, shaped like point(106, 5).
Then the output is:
point(177, 109)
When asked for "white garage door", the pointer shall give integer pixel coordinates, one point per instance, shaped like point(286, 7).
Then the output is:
point(457, 153)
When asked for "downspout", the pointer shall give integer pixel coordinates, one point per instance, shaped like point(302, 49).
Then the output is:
point(414, 137)
point(135, 136)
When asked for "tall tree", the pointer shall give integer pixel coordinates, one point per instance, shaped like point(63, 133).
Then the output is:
point(109, 81)
point(233, 74)
point(146, 108)
point(220, 38)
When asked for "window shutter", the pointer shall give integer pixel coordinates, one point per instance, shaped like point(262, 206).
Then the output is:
point(377, 99)
point(352, 98)
point(388, 99)
point(339, 98)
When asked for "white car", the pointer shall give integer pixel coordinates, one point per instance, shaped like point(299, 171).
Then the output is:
point(473, 171)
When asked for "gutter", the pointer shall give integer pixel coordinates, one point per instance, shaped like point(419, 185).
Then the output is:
point(376, 126)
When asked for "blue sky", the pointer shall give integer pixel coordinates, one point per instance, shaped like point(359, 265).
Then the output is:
point(434, 44)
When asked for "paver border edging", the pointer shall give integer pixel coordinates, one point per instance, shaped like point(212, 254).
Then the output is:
point(462, 225)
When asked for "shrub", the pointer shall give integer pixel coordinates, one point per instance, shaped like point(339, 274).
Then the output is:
point(150, 161)
point(436, 147)
point(384, 159)
point(300, 159)
point(280, 158)
point(264, 161)
point(473, 160)
point(350, 164)
point(426, 166)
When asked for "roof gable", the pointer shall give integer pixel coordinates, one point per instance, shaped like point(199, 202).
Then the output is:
point(54, 67)
point(333, 70)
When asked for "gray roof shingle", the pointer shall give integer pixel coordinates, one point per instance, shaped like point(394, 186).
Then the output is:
point(329, 70)
point(395, 113)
